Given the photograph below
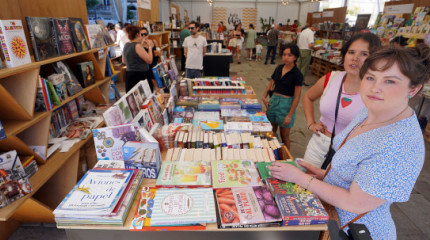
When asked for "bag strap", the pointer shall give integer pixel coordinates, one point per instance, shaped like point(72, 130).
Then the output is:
point(328, 170)
point(327, 77)
point(326, 163)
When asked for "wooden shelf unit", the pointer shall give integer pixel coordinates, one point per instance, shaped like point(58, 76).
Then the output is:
point(58, 174)
point(163, 41)
point(175, 50)
point(321, 67)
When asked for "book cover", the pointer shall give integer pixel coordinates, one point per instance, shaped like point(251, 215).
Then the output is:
point(55, 99)
point(301, 209)
point(2, 132)
point(63, 37)
point(183, 206)
point(234, 173)
point(95, 35)
point(277, 186)
point(40, 104)
point(72, 83)
point(264, 172)
point(14, 183)
point(234, 113)
point(59, 84)
point(98, 192)
point(13, 43)
point(143, 214)
point(157, 76)
point(185, 174)
point(113, 116)
point(106, 36)
point(238, 127)
point(258, 117)
point(42, 37)
point(209, 125)
point(80, 39)
point(86, 73)
point(131, 102)
point(144, 156)
point(108, 141)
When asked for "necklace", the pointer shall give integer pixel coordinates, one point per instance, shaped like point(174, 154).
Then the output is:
point(363, 125)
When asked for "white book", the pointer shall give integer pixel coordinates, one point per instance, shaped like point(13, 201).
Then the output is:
point(224, 153)
point(251, 154)
point(271, 155)
point(169, 155)
point(259, 155)
point(182, 156)
point(218, 155)
point(244, 154)
point(213, 154)
point(223, 139)
point(236, 153)
point(14, 43)
point(206, 155)
point(197, 156)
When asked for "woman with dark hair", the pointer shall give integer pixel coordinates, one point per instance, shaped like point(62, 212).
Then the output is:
point(251, 36)
point(328, 88)
point(137, 58)
point(155, 55)
point(236, 41)
point(380, 154)
point(287, 82)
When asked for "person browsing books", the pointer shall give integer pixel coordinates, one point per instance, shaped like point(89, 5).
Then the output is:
point(287, 83)
point(144, 34)
point(194, 50)
point(137, 58)
point(380, 153)
point(354, 53)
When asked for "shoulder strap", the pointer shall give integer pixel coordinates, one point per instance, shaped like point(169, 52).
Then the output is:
point(327, 77)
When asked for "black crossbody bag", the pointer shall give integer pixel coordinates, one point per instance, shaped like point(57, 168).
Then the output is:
point(329, 155)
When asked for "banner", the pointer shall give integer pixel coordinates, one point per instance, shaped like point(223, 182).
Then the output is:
point(146, 4)
point(232, 16)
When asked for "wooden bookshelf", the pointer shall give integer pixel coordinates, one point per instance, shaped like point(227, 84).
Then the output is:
point(321, 67)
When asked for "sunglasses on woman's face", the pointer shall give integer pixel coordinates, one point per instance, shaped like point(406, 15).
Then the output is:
point(144, 34)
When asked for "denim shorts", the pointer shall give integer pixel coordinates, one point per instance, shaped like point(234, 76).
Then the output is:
point(279, 108)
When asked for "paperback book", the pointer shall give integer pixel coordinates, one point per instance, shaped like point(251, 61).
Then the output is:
point(14, 183)
point(210, 125)
point(234, 173)
point(185, 174)
point(247, 207)
point(144, 156)
point(13, 43)
point(42, 37)
point(98, 192)
point(108, 141)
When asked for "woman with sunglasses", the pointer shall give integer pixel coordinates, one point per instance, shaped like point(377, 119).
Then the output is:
point(137, 58)
point(155, 54)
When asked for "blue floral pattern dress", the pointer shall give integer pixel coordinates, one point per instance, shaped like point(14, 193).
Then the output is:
point(384, 162)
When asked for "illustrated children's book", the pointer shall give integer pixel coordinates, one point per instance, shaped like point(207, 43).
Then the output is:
point(184, 174)
point(234, 173)
point(108, 141)
point(13, 43)
point(14, 183)
point(98, 192)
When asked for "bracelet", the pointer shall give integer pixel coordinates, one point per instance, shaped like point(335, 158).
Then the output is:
point(310, 125)
point(310, 180)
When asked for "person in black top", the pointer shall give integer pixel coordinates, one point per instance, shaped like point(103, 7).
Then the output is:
point(155, 55)
point(287, 82)
point(136, 58)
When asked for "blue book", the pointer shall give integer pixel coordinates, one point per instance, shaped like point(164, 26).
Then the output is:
point(97, 193)
point(157, 77)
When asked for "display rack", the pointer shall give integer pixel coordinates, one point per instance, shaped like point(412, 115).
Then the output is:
point(175, 50)
point(163, 41)
point(321, 67)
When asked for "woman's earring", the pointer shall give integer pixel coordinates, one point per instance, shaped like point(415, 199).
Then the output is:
point(409, 96)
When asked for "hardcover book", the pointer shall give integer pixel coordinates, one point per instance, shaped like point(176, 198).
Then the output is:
point(108, 141)
point(95, 35)
point(59, 84)
point(184, 174)
point(183, 206)
point(72, 84)
point(301, 209)
point(63, 37)
point(234, 173)
point(79, 36)
point(113, 116)
point(98, 192)
point(14, 183)
point(86, 73)
point(42, 37)
point(13, 43)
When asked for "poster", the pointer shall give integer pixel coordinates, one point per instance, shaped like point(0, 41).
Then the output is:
point(146, 4)
point(234, 17)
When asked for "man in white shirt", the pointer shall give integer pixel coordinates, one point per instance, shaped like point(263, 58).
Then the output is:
point(306, 44)
point(194, 50)
point(121, 36)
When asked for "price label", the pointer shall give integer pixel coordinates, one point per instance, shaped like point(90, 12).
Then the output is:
point(101, 53)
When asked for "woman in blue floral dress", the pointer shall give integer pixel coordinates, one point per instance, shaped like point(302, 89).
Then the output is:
point(380, 153)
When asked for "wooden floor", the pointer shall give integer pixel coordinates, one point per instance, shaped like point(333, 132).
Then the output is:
point(411, 218)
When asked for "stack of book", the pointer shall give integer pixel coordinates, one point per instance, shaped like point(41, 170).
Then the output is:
point(188, 101)
point(207, 154)
point(220, 86)
point(30, 165)
point(101, 197)
point(208, 104)
point(183, 114)
point(229, 103)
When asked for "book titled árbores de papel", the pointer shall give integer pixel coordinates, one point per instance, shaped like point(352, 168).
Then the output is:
point(42, 37)
point(63, 35)
point(97, 192)
point(13, 43)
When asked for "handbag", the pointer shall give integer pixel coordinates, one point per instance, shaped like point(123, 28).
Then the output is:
point(329, 155)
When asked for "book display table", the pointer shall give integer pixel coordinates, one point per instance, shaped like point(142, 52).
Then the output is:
point(217, 64)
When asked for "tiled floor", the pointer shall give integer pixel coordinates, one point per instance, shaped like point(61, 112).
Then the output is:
point(411, 218)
